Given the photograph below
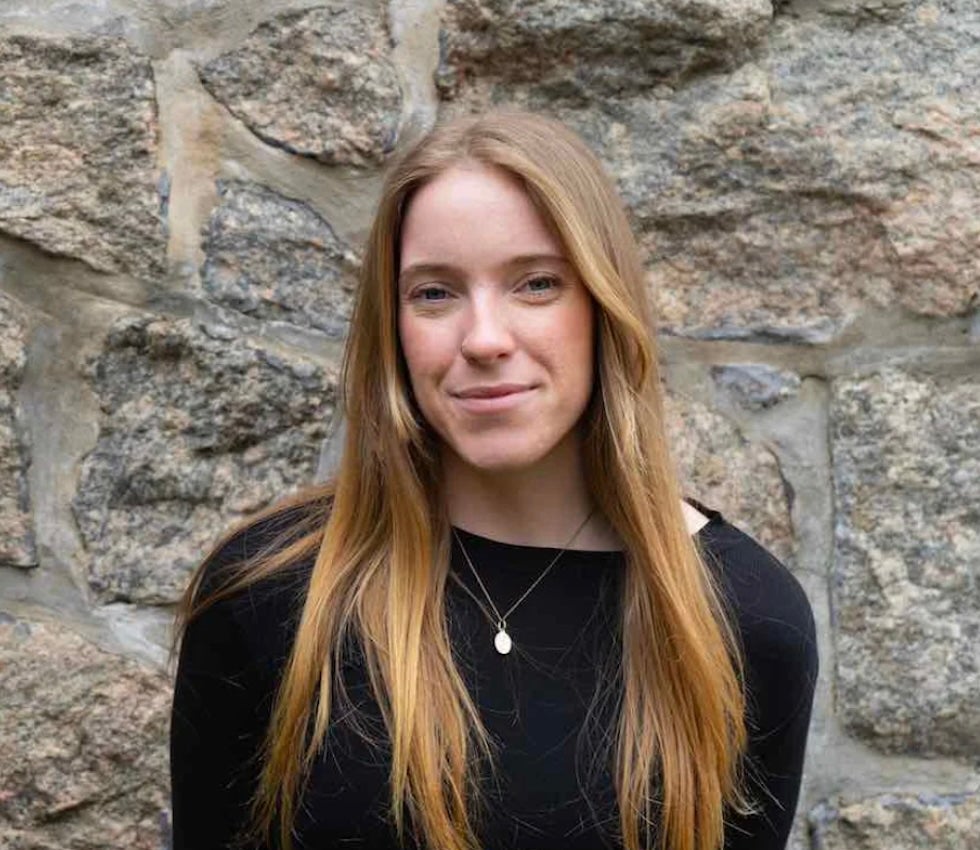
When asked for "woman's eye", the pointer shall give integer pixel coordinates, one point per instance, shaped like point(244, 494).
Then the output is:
point(429, 294)
point(541, 284)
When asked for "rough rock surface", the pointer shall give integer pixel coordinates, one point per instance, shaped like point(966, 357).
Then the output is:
point(16, 530)
point(837, 168)
point(907, 490)
point(275, 258)
point(83, 755)
point(719, 467)
point(894, 822)
point(317, 82)
point(200, 428)
point(78, 130)
point(756, 386)
point(572, 50)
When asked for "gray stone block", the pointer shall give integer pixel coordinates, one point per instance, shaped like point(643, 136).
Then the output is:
point(201, 427)
point(906, 467)
point(756, 386)
point(17, 546)
point(275, 258)
point(572, 49)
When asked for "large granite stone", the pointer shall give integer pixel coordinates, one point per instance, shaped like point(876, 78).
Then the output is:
point(838, 172)
point(78, 142)
point(16, 529)
point(574, 50)
point(837, 169)
point(721, 468)
point(83, 753)
point(906, 467)
point(319, 82)
point(898, 822)
point(200, 428)
point(275, 258)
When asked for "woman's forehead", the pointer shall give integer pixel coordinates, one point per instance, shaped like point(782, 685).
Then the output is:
point(478, 216)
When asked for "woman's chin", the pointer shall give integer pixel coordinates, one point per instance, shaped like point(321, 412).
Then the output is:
point(490, 460)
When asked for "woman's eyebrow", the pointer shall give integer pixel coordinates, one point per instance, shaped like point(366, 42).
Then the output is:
point(440, 268)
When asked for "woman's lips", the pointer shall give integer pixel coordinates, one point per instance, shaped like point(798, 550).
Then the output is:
point(492, 400)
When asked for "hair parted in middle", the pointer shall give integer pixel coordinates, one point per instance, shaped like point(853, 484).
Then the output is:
point(380, 533)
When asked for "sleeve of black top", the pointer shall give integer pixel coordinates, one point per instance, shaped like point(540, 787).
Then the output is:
point(216, 727)
point(780, 647)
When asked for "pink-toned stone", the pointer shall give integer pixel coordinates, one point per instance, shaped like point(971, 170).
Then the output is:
point(83, 752)
point(721, 468)
point(78, 144)
point(898, 822)
point(318, 82)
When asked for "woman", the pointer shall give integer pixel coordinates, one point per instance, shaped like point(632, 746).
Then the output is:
point(499, 625)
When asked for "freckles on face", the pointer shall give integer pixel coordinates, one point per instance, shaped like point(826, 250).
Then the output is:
point(495, 326)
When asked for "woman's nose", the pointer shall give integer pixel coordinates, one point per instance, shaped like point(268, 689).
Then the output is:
point(487, 334)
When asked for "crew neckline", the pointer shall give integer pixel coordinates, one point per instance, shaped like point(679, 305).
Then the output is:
point(715, 518)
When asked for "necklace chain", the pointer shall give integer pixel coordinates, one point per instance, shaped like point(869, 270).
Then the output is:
point(502, 640)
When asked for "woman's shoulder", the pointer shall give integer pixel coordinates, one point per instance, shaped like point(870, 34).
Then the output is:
point(245, 546)
point(769, 602)
point(248, 581)
point(774, 619)
point(239, 619)
point(751, 572)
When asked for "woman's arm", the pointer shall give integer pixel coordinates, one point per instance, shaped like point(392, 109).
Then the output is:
point(775, 765)
point(217, 725)
point(779, 638)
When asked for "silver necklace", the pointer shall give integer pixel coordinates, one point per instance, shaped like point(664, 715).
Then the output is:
point(502, 641)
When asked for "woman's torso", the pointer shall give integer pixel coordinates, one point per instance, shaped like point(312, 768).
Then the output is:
point(548, 705)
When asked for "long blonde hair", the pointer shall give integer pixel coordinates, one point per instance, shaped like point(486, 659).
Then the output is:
point(380, 535)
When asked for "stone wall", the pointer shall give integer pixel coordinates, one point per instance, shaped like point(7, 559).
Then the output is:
point(184, 191)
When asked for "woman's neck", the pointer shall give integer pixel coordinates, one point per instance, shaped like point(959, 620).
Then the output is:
point(541, 505)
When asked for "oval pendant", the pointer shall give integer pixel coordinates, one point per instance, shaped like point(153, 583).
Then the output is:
point(502, 642)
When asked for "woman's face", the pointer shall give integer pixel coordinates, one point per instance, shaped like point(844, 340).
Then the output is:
point(495, 325)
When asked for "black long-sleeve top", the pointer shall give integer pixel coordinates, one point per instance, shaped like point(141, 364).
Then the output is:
point(551, 791)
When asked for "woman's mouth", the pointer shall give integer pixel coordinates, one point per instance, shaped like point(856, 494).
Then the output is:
point(492, 398)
